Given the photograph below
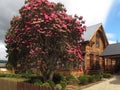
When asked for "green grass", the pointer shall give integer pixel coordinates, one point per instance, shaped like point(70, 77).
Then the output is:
point(14, 79)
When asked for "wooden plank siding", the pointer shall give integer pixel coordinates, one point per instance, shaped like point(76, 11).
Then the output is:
point(92, 50)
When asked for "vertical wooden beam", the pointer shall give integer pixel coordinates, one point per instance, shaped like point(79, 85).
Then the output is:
point(103, 64)
point(111, 66)
point(85, 64)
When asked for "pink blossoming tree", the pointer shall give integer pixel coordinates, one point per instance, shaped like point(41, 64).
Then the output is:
point(42, 35)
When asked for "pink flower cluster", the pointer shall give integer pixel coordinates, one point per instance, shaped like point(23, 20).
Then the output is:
point(41, 25)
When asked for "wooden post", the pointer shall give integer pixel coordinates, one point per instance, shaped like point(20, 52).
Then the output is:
point(85, 65)
point(111, 66)
point(103, 64)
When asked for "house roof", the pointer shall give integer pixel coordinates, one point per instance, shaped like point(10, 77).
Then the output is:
point(90, 31)
point(111, 50)
point(3, 63)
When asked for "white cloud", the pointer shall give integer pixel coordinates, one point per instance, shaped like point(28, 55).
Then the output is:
point(93, 11)
point(2, 51)
point(111, 42)
point(110, 35)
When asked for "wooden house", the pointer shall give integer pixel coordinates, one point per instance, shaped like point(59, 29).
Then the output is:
point(99, 56)
point(95, 41)
point(111, 58)
point(3, 66)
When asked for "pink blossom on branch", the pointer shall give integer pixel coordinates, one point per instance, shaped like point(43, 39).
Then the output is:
point(45, 31)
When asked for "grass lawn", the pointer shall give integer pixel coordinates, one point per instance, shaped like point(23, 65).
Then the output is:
point(14, 79)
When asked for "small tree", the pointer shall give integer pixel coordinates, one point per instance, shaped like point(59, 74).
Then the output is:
point(42, 35)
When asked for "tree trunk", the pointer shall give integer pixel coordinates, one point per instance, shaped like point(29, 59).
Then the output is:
point(45, 77)
point(51, 75)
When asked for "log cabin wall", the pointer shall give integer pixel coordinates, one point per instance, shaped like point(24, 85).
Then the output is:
point(111, 58)
point(92, 49)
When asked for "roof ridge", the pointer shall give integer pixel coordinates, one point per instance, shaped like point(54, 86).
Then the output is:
point(95, 24)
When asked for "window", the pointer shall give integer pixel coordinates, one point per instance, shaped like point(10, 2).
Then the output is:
point(97, 41)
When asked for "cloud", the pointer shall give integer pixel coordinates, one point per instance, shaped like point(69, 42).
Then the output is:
point(93, 11)
point(8, 8)
point(2, 51)
point(111, 42)
point(110, 35)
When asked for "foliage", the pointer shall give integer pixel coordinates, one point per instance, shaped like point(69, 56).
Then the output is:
point(34, 79)
point(107, 75)
point(2, 75)
point(57, 78)
point(58, 86)
point(83, 80)
point(71, 79)
point(63, 84)
point(52, 84)
point(27, 75)
point(89, 78)
point(38, 82)
point(42, 35)
point(46, 84)
point(9, 75)
point(9, 66)
point(96, 77)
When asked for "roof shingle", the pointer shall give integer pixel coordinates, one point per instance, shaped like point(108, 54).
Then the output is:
point(112, 49)
point(90, 31)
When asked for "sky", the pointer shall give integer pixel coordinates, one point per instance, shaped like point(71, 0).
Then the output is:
point(106, 12)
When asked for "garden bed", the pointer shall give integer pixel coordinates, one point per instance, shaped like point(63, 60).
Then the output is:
point(59, 81)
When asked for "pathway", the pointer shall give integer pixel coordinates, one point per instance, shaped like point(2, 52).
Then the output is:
point(108, 84)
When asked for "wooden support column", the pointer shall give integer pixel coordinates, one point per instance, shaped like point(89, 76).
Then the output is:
point(85, 64)
point(103, 64)
point(111, 66)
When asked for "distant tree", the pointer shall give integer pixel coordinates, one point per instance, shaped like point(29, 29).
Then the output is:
point(42, 35)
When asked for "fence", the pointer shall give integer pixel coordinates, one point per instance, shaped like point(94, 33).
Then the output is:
point(13, 85)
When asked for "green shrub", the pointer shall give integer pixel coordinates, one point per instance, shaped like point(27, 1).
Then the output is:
point(58, 86)
point(11, 75)
point(63, 84)
point(38, 82)
point(17, 75)
point(51, 83)
point(92, 79)
point(107, 75)
point(26, 75)
point(57, 78)
point(35, 78)
point(71, 78)
point(83, 80)
point(96, 77)
point(89, 78)
point(46, 84)
point(2, 75)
